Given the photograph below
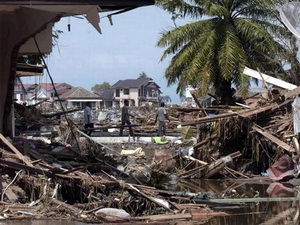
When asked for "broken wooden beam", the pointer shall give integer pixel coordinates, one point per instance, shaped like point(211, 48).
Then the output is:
point(16, 151)
point(18, 166)
point(292, 93)
point(209, 119)
point(274, 139)
point(217, 166)
point(164, 217)
point(198, 103)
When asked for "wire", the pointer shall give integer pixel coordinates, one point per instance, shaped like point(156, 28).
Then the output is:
point(56, 93)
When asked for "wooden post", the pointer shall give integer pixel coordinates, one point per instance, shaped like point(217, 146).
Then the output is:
point(217, 166)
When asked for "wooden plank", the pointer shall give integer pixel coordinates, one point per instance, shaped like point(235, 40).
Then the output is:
point(271, 80)
point(163, 217)
point(209, 118)
point(246, 200)
point(190, 206)
point(18, 166)
point(199, 144)
point(198, 103)
point(214, 167)
point(275, 140)
point(16, 151)
point(292, 93)
point(198, 214)
point(70, 208)
point(256, 111)
point(12, 197)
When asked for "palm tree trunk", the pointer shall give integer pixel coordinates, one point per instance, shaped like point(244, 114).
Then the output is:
point(225, 92)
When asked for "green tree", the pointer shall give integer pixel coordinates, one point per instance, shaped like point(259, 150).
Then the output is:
point(223, 38)
point(166, 98)
point(101, 87)
point(143, 74)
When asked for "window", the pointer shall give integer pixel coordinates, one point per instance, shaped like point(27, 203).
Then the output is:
point(53, 94)
point(76, 104)
point(126, 91)
point(117, 92)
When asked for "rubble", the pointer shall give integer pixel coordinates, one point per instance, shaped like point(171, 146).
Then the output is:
point(68, 173)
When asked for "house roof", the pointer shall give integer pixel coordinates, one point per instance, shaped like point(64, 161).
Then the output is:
point(60, 87)
point(77, 93)
point(27, 87)
point(107, 94)
point(153, 85)
point(131, 83)
point(49, 86)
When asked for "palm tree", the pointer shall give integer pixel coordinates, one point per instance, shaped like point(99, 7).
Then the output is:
point(223, 38)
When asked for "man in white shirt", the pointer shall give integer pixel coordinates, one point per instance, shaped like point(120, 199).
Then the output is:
point(161, 114)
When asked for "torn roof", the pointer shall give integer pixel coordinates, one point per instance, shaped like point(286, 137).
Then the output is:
point(89, 8)
point(104, 4)
point(24, 69)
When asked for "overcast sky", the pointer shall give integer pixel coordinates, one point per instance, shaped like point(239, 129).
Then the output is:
point(85, 58)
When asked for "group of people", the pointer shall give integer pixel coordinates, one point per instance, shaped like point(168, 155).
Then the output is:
point(161, 116)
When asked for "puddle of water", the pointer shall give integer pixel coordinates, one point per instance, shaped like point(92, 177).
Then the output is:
point(267, 213)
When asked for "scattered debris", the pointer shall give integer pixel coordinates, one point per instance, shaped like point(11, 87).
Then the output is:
point(53, 168)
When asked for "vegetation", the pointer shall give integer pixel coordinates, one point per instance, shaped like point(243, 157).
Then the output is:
point(223, 38)
point(143, 74)
point(166, 98)
point(100, 87)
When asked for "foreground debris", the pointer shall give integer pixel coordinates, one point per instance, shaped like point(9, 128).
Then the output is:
point(40, 183)
point(81, 178)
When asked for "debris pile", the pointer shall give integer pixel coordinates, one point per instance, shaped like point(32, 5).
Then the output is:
point(65, 172)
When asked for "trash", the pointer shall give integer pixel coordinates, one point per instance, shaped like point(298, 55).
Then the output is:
point(121, 213)
point(160, 140)
point(138, 152)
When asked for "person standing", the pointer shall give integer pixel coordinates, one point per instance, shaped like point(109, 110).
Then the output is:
point(161, 115)
point(126, 118)
point(88, 120)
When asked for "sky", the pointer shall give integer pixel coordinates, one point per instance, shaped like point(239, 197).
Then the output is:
point(84, 57)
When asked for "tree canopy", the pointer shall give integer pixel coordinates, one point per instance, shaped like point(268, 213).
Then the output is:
point(223, 37)
point(166, 98)
point(101, 87)
point(143, 74)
